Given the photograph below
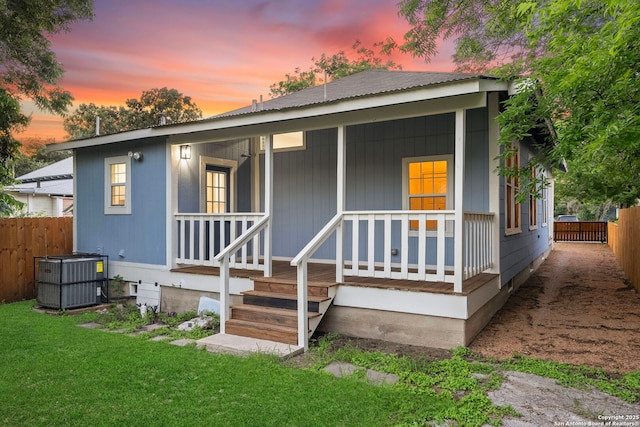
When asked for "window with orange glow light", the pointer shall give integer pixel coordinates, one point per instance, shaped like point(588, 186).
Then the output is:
point(428, 184)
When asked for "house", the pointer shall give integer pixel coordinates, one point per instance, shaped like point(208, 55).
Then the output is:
point(369, 206)
point(47, 191)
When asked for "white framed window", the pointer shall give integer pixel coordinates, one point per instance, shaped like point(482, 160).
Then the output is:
point(217, 185)
point(427, 185)
point(511, 185)
point(289, 141)
point(117, 183)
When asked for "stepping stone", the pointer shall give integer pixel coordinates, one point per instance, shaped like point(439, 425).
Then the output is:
point(152, 327)
point(160, 338)
point(342, 369)
point(146, 328)
point(182, 342)
point(242, 346)
point(90, 325)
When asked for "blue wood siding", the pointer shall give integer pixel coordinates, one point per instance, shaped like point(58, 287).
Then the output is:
point(189, 174)
point(305, 180)
point(142, 233)
point(304, 193)
point(476, 178)
point(519, 250)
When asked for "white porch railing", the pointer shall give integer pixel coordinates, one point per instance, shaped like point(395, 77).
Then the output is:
point(203, 236)
point(224, 259)
point(301, 262)
point(380, 229)
point(478, 242)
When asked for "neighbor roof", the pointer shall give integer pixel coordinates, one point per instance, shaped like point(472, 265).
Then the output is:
point(55, 179)
point(62, 169)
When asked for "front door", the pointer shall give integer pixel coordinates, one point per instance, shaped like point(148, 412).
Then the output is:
point(217, 200)
point(218, 189)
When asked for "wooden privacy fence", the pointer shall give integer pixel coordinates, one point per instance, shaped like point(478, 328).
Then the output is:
point(580, 231)
point(20, 240)
point(624, 240)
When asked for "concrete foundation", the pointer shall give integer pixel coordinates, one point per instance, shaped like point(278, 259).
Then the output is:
point(417, 329)
point(403, 328)
point(180, 300)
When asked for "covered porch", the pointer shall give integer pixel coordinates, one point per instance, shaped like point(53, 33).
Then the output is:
point(447, 251)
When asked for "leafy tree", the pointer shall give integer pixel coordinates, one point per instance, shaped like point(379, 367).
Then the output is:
point(578, 65)
point(28, 69)
point(136, 114)
point(334, 67)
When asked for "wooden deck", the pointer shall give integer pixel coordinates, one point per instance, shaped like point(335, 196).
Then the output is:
point(327, 273)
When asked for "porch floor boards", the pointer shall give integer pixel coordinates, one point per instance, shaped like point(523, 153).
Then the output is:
point(327, 273)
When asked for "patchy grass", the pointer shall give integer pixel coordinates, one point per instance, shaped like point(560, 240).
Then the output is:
point(626, 387)
point(461, 384)
point(55, 373)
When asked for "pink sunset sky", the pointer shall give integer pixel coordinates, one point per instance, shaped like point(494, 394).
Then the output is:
point(221, 53)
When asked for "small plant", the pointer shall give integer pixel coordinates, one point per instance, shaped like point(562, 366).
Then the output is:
point(126, 317)
point(117, 286)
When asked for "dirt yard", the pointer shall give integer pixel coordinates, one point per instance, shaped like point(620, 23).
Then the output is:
point(576, 308)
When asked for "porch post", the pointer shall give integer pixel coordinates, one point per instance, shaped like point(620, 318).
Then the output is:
point(458, 266)
point(224, 294)
point(341, 201)
point(494, 180)
point(268, 203)
point(172, 167)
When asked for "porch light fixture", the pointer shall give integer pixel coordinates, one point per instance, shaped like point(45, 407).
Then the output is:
point(137, 156)
point(185, 152)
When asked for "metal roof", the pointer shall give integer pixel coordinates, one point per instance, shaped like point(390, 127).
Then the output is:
point(55, 179)
point(63, 187)
point(367, 89)
point(366, 83)
point(62, 169)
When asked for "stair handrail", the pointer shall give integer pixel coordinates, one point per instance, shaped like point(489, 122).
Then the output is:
point(301, 262)
point(225, 256)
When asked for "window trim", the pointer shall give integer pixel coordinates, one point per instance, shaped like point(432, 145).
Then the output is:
point(511, 206)
point(545, 206)
point(232, 165)
point(108, 208)
point(303, 146)
point(533, 203)
point(449, 196)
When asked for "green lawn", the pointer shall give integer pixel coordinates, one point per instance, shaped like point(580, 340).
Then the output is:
point(55, 373)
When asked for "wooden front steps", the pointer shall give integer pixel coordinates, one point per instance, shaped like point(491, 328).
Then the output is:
point(270, 312)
